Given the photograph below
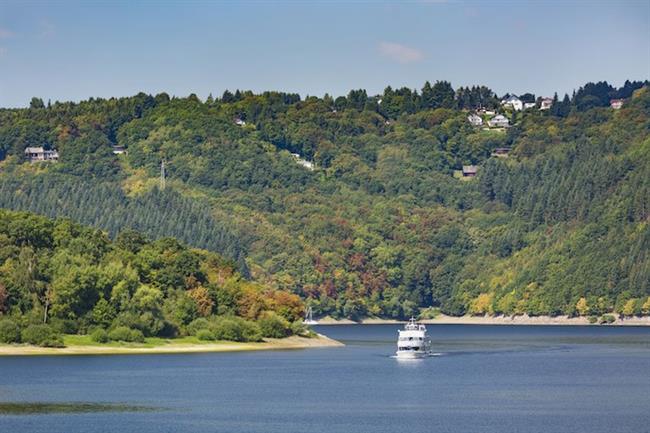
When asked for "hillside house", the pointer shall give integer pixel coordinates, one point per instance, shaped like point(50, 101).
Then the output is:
point(37, 154)
point(513, 102)
point(501, 152)
point(469, 170)
point(499, 121)
point(240, 122)
point(475, 120)
point(119, 150)
point(546, 104)
point(301, 161)
point(528, 105)
point(616, 104)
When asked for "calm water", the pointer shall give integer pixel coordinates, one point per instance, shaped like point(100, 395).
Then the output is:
point(486, 379)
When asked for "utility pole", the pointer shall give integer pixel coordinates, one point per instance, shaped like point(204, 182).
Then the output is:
point(162, 174)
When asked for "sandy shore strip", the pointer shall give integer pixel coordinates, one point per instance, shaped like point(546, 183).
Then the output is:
point(293, 342)
point(494, 320)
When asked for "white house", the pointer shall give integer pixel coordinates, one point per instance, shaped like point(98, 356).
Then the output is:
point(240, 122)
point(475, 120)
point(513, 102)
point(528, 105)
point(616, 103)
point(119, 150)
point(546, 103)
point(307, 164)
point(34, 154)
point(499, 121)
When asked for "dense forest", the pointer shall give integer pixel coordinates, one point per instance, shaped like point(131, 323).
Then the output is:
point(60, 277)
point(382, 224)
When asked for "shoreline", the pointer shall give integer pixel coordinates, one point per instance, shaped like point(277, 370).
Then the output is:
point(288, 343)
point(443, 319)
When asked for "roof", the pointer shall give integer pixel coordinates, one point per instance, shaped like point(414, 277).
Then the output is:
point(34, 150)
point(511, 98)
point(469, 168)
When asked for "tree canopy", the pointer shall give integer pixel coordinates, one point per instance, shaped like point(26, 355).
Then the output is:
point(381, 226)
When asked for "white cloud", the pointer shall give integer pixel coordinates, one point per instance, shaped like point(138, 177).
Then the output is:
point(400, 53)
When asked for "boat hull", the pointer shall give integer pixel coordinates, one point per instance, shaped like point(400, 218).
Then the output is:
point(411, 354)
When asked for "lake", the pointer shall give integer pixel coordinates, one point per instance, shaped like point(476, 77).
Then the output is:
point(483, 379)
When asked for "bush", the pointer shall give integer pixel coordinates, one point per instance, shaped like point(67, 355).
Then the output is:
point(593, 319)
point(122, 333)
point(9, 331)
point(148, 323)
point(198, 325)
point(63, 326)
point(235, 329)
point(607, 319)
point(100, 335)
point(42, 335)
point(250, 331)
point(274, 326)
point(205, 335)
point(227, 328)
point(298, 328)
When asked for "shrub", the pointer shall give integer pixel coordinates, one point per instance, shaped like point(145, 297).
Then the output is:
point(607, 319)
point(250, 331)
point(197, 325)
point(42, 335)
point(274, 326)
point(63, 326)
point(227, 328)
point(205, 335)
point(235, 329)
point(593, 319)
point(122, 333)
point(9, 331)
point(100, 335)
point(298, 328)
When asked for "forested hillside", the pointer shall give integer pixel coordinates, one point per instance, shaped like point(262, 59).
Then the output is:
point(58, 276)
point(382, 224)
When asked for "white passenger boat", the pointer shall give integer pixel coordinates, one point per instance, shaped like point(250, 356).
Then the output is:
point(413, 341)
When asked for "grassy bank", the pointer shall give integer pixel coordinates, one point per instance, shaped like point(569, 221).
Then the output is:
point(83, 345)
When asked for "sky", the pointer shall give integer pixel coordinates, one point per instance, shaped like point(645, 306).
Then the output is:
point(71, 50)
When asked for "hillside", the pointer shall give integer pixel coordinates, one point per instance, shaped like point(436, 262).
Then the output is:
point(382, 226)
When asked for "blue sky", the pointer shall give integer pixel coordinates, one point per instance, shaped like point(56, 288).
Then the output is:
point(65, 50)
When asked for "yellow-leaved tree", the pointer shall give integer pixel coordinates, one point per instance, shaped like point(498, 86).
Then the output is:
point(482, 304)
point(628, 308)
point(581, 307)
point(645, 308)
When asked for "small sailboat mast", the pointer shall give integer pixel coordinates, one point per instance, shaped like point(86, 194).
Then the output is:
point(309, 318)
